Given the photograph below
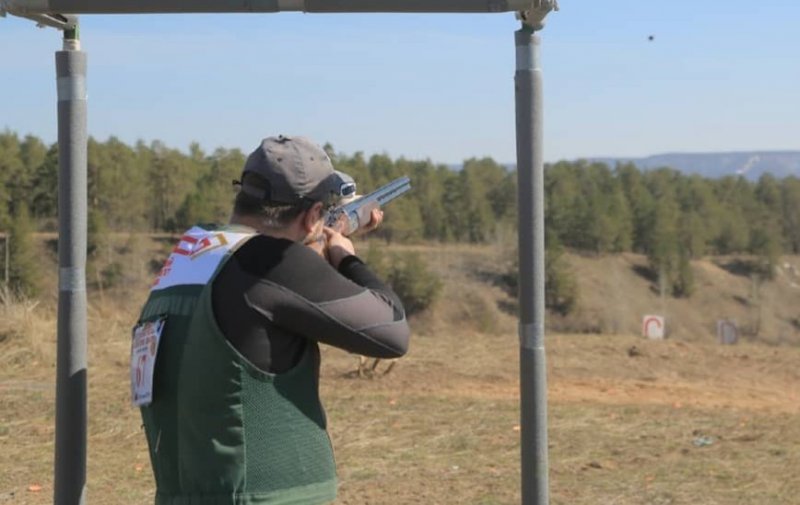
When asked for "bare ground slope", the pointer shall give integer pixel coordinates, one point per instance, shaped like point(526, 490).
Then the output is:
point(615, 293)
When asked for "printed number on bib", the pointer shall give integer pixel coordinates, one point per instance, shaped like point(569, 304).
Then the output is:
point(144, 348)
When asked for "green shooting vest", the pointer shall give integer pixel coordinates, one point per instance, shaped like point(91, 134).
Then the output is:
point(221, 431)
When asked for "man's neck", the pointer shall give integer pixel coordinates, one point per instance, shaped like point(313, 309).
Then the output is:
point(287, 233)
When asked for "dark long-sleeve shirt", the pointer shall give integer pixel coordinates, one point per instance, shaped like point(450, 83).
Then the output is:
point(275, 295)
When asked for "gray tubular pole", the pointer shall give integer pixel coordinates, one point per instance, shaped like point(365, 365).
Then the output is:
point(71, 407)
point(164, 6)
point(530, 182)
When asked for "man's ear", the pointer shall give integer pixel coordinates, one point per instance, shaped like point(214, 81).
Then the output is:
point(312, 216)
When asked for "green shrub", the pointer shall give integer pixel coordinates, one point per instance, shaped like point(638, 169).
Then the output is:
point(377, 261)
point(560, 288)
point(683, 284)
point(480, 312)
point(112, 275)
point(674, 274)
point(409, 277)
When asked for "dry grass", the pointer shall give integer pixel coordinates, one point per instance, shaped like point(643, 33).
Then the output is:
point(622, 429)
point(626, 427)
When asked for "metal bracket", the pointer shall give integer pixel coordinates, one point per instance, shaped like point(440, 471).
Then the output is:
point(22, 7)
point(32, 10)
point(534, 17)
point(59, 21)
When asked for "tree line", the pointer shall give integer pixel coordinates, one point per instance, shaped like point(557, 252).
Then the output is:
point(590, 207)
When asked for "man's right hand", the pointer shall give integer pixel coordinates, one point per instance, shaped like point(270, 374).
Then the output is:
point(339, 246)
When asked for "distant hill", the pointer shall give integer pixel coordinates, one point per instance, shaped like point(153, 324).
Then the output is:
point(750, 164)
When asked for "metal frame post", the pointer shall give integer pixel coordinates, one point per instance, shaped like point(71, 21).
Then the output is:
point(71, 380)
point(530, 184)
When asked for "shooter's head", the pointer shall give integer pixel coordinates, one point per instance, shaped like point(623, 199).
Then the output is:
point(287, 176)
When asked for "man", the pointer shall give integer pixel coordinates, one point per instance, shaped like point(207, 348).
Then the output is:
point(233, 415)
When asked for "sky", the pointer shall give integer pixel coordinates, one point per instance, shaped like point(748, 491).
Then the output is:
point(718, 76)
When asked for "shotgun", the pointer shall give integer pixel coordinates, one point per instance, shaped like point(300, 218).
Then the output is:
point(355, 214)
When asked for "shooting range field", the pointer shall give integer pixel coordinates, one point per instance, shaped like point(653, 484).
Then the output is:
point(632, 421)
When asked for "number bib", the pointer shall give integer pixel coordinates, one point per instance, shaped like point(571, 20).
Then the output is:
point(144, 347)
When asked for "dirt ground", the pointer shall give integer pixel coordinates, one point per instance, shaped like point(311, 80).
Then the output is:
point(631, 421)
point(664, 423)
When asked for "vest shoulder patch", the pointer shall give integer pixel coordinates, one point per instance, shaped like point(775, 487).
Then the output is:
point(196, 257)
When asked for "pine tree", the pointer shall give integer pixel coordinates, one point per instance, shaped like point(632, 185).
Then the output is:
point(23, 265)
point(683, 282)
point(790, 211)
point(403, 222)
point(664, 249)
point(44, 190)
point(561, 289)
point(10, 169)
point(641, 204)
point(212, 199)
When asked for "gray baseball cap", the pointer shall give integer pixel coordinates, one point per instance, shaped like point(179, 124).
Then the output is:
point(296, 170)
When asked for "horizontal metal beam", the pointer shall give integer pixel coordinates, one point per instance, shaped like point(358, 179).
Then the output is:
point(28, 7)
point(58, 21)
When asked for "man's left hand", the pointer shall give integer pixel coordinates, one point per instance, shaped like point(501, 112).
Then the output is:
point(375, 220)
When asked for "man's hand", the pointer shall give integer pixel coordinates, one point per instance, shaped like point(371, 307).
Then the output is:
point(338, 246)
point(319, 245)
point(334, 247)
point(375, 220)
